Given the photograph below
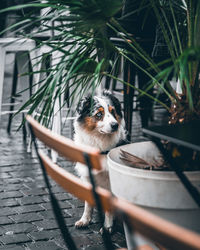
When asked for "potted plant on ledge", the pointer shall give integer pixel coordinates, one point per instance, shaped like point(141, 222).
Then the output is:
point(160, 190)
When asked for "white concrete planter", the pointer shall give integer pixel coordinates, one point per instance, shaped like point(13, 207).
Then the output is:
point(160, 192)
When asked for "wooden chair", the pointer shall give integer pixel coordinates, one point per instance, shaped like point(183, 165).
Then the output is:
point(18, 46)
point(160, 231)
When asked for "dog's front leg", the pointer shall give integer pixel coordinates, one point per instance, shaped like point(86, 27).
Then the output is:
point(87, 214)
point(86, 217)
point(108, 223)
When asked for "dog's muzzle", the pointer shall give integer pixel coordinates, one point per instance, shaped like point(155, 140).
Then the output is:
point(114, 126)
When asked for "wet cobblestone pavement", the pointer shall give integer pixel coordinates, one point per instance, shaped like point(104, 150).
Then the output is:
point(26, 217)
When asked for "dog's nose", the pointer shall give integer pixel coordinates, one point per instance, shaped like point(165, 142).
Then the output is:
point(114, 126)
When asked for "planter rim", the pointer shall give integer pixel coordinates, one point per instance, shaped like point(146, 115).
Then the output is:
point(147, 173)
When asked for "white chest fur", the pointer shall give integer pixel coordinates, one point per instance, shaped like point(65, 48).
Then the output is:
point(101, 142)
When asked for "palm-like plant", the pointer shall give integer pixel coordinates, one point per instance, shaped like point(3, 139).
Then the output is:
point(179, 22)
point(184, 50)
point(81, 37)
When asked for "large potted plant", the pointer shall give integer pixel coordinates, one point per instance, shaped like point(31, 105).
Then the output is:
point(161, 191)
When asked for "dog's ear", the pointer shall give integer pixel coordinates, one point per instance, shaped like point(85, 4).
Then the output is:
point(114, 101)
point(84, 105)
point(107, 92)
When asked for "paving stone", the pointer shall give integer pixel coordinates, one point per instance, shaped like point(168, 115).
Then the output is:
point(57, 189)
point(97, 240)
point(44, 235)
point(29, 217)
point(13, 180)
point(4, 175)
point(118, 244)
point(63, 196)
point(44, 245)
point(82, 241)
point(7, 211)
point(119, 238)
point(13, 247)
point(19, 228)
point(11, 194)
point(9, 203)
point(49, 214)
point(95, 247)
point(13, 187)
point(47, 206)
point(77, 231)
point(46, 224)
point(32, 183)
point(12, 161)
point(95, 227)
point(34, 191)
point(70, 222)
point(8, 168)
point(45, 198)
point(1, 231)
point(30, 200)
point(60, 242)
point(77, 203)
point(63, 204)
point(23, 174)
point(5, 220)
point(29, 209)
point(13, 239)
point(74, 212)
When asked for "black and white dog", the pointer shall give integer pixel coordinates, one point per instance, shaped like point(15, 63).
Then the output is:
point(99, 124)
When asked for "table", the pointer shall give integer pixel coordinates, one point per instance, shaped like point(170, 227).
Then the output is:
point(187, 135)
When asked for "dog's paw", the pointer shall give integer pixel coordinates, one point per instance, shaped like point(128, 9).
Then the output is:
point(108, 229)
point(82, 223)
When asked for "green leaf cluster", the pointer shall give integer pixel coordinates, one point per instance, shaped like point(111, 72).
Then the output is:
point(79, 31)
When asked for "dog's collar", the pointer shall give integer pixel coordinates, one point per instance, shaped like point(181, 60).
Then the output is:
point(104, 152)
point(122, 142)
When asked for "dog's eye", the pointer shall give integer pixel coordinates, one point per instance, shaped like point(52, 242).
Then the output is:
point(99, 115)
